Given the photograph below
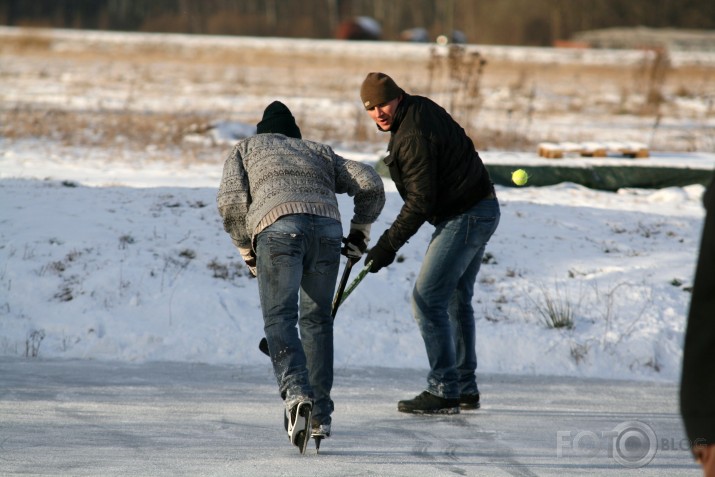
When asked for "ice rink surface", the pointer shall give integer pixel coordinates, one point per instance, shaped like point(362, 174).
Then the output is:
point(109, 418)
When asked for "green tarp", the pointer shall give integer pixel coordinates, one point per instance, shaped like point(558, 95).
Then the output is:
point(596, 177)
point(604, 177)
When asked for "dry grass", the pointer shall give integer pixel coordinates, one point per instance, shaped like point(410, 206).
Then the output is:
point(139, 94)
point(103, 129)
point(29, 40)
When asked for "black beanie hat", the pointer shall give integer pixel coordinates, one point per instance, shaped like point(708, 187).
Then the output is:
point(277, 118)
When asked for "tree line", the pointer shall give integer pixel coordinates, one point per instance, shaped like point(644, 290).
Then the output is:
point(504, 22)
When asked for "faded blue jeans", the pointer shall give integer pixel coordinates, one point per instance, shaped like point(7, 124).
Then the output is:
point(297, 260)
point(442, 298)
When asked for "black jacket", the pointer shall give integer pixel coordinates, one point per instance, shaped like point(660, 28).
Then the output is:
point(434, 165)
point(697, 390)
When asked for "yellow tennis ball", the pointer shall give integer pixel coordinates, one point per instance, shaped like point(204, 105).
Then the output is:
point(519, 177)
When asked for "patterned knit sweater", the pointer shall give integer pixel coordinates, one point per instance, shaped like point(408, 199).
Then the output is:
point(268, 176)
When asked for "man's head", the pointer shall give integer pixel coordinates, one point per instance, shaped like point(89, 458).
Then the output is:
point(277, 118)
point(380, 95)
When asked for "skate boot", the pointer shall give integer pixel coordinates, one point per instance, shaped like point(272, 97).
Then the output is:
point(297, 423)
point(319, 432)
point(427, 403)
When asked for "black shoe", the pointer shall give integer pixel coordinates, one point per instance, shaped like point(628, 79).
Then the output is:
point(469, 401)
point(427, 403)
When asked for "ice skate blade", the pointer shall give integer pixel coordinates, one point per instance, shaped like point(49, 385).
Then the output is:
point(318, 440)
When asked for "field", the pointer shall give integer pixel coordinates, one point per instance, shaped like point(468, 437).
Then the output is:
point(150, 93)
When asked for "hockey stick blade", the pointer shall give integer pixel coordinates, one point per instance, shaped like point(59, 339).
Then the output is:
point(263, 346)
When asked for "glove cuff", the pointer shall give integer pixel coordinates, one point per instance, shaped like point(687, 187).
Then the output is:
point(362, 228)
point(246, 253)
point(384, 242)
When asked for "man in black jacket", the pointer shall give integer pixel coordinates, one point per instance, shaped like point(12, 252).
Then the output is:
point(441, 180)
point(697, 389)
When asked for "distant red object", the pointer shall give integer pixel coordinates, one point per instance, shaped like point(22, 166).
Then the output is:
point(571, 44)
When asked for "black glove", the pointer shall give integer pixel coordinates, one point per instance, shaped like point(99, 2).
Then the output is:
point(355, 246)
point(381, 254)
point(356, 241)
point(251, 264)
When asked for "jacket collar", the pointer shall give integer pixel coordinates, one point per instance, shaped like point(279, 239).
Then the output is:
point(400, 113)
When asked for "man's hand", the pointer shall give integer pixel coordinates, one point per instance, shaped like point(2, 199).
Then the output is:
point(705, 456)
point(249, 256)
point(356, 241)
point(382, 254)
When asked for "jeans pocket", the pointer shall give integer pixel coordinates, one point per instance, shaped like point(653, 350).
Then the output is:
point(480, 230)
point(285, 248)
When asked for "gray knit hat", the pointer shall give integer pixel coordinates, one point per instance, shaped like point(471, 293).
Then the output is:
point(277, 118)
point(378, 88)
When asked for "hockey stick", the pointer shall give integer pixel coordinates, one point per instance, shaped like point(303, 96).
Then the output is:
point(337, 301)
point(354, 283)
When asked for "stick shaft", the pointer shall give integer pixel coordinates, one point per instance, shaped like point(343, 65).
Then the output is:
point(355, 282)
point(337, 300)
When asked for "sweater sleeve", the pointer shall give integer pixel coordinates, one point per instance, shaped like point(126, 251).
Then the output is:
point(234, 199)
point(363, 183)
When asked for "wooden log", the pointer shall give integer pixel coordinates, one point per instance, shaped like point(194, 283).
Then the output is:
point(550, 150)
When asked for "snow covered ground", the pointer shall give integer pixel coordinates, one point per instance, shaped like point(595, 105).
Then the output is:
point(129, 261)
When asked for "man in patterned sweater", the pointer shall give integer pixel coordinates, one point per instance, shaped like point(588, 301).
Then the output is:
point(277, 200)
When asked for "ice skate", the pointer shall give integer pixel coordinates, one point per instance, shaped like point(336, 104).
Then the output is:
point(298, 424)
point(318, 433)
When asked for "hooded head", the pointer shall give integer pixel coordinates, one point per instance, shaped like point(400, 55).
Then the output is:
point(378, 88)
point(277, 118)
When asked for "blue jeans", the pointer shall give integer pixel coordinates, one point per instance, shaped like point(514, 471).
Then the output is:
point(297, 260)
point(442, 298)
